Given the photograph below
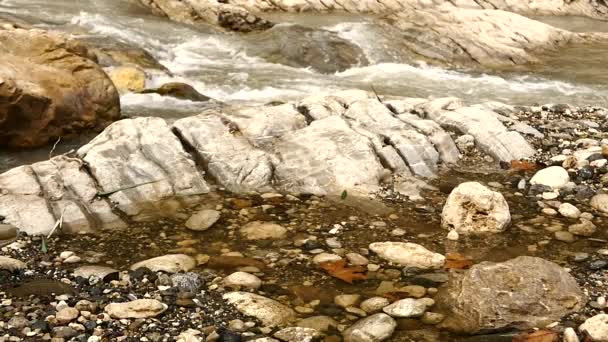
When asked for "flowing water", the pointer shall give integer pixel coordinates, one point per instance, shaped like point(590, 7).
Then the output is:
point(215, 63)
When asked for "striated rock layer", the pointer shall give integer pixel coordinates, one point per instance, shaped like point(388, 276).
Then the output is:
point(144, 167)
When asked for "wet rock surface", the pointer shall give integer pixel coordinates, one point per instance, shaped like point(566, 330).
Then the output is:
point(50, 88)
point(524, 292)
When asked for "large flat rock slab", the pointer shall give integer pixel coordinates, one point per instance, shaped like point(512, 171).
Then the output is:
point(139, 162)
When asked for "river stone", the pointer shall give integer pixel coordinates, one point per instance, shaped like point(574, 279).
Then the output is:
point(180, 91)
point(128, 79)
point(319, 323)
point(569, 211)
point(140, 308)
point(303, 47)
point(89, 271)
point(66, 315)
point(375, 328)
point(171, 263)
point(50, 87)
point(203, 219)
point(222, 13)
point(187, 282)
point(596, 327)
point(270, 312)
point(374, 304)
point(522, 293)
point(242, 280)
point(8, 233)
point(11, 264)
point(407, 254)
point(297, 334)
point(554, 177)
point(600, 203)
point(405, 308)
point(258, 230)
point(472, 208)
point(585, 228)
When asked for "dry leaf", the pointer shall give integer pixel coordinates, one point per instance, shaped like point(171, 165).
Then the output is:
point(457, 261)
point(522, 165)
point(338, 269)
point(537, 336)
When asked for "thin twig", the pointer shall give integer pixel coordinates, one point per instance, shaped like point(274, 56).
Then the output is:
point(54, 147)
point(58, 224)
point(107, 193)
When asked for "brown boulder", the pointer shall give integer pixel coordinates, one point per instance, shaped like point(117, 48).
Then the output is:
point(50, 87)
point(522, 293)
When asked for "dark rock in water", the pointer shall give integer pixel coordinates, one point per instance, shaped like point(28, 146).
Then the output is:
point(311, 244)
point(230, 262)
point(110, 52)
point(598, 264)
point(141, 273)
point(229, 336)
point(595, 156)
point(239, 22)
point(41, 288)
point(180, 91)
point(585, 173)
point(584, 192)
point(522, 293)
point(90, 325)
point(302, 47)
point(40, 325)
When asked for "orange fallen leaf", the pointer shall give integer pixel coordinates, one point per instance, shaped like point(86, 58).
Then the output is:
point(523, 165)
point(537, 336)
point(338, 269)
point(457, 261)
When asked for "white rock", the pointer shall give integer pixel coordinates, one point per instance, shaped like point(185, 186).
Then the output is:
point(570, 335)
point(66, 315)
point(93, 270)
point(325, 257)
point(270, 312)
point(191, 335)
point(171, 263)
point(374, 304)
point(203, 220)
point(375, 328)
point(596, 327)
point(297, 334)
point(405, 308)
point(11, 264)
point(357, 259)
point(600, 203)
point(346, 300)
point(263, 231)
point(407, 254)
point(74, 259)
point(242, 280)
point(140, 308)
point(472, 208)
point(66, 254)
point(453, 235)
point(554, 177)
point(569, 211)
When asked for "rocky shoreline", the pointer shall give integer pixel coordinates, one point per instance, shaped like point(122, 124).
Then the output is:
point(352, 216)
